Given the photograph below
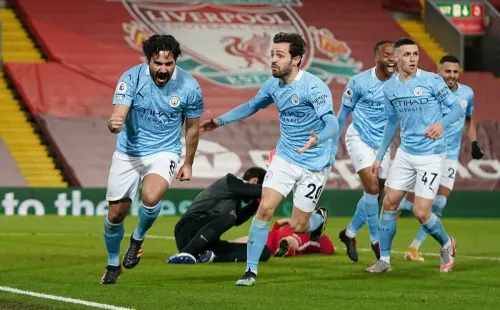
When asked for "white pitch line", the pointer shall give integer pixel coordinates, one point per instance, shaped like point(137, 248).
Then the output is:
point(64, 299)
point(488, 258)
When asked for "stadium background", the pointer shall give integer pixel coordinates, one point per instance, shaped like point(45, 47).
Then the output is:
point(60, 62)
point(62, 59)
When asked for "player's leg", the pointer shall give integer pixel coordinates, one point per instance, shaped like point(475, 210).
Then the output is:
point(231, 252)
point(362, 157)
point(307, 193)
point(204, 238)
point(446, 186)
point(428, 178)
point(406, 204)
point(280, 178)
point(358, 152)
point(123, 185)
point(401, 178)
point(157, 173)
point(372, 209)
point(184, 232)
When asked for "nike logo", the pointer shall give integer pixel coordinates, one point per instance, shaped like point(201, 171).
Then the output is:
point(314, 87)
point(203, 237)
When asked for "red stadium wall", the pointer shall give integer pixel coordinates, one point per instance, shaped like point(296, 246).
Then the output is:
point(91, 43)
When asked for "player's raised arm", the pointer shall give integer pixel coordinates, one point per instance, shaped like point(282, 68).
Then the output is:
point(349, 99)
point(122, 100)
point(262, 100)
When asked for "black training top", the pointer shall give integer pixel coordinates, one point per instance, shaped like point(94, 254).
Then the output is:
point(225, 196)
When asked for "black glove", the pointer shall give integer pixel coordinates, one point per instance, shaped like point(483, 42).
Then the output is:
point(476, 151)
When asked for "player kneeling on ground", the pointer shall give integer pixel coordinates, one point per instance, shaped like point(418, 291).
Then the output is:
point(214, 211)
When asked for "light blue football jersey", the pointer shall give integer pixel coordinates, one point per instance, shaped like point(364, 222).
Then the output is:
point(364, 94)
point(154, 121)
point(300, 104)
point(419, 103)
point(454, 132)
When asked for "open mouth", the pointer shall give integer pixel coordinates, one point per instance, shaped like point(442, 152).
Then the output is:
point(161, 78)
point(391, 68)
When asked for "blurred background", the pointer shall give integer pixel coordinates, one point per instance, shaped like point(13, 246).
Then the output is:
point(61, 60)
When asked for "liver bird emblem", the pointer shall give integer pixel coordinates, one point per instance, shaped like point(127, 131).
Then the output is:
point(254, 50)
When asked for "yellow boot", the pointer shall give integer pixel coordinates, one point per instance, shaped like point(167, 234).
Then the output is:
point(413, 255)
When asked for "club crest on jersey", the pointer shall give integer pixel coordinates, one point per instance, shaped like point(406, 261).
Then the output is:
point(418, 91)
point(463, 102)
point(349, 92)
point(174, 102)
point(295, 100)
point(122, 88)
point(240, 33)
point(360, 158)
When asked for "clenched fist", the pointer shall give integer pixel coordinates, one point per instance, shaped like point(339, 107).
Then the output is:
point(115, 123)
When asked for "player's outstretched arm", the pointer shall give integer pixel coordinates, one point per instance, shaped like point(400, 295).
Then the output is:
point(115, 122)
point(237, 114)
point(192, 138)
point(262, 100)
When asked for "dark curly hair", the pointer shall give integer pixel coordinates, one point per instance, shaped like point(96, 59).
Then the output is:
point(255, 172)
point(297, 43)
point(157, 43)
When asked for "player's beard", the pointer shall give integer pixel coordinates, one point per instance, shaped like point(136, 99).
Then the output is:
point(281, 73)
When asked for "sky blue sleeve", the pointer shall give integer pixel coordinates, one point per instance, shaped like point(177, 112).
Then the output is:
point(443, 93)
point(321, 98)
point(470, 106)
point(343, 115)
point(125, 89)
point(195, 105)
point(262, 100)
point(389, 108)
point(389, 132)
point(456, 112)
point(331, 128)
point(352, 93)
point(448, 101)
